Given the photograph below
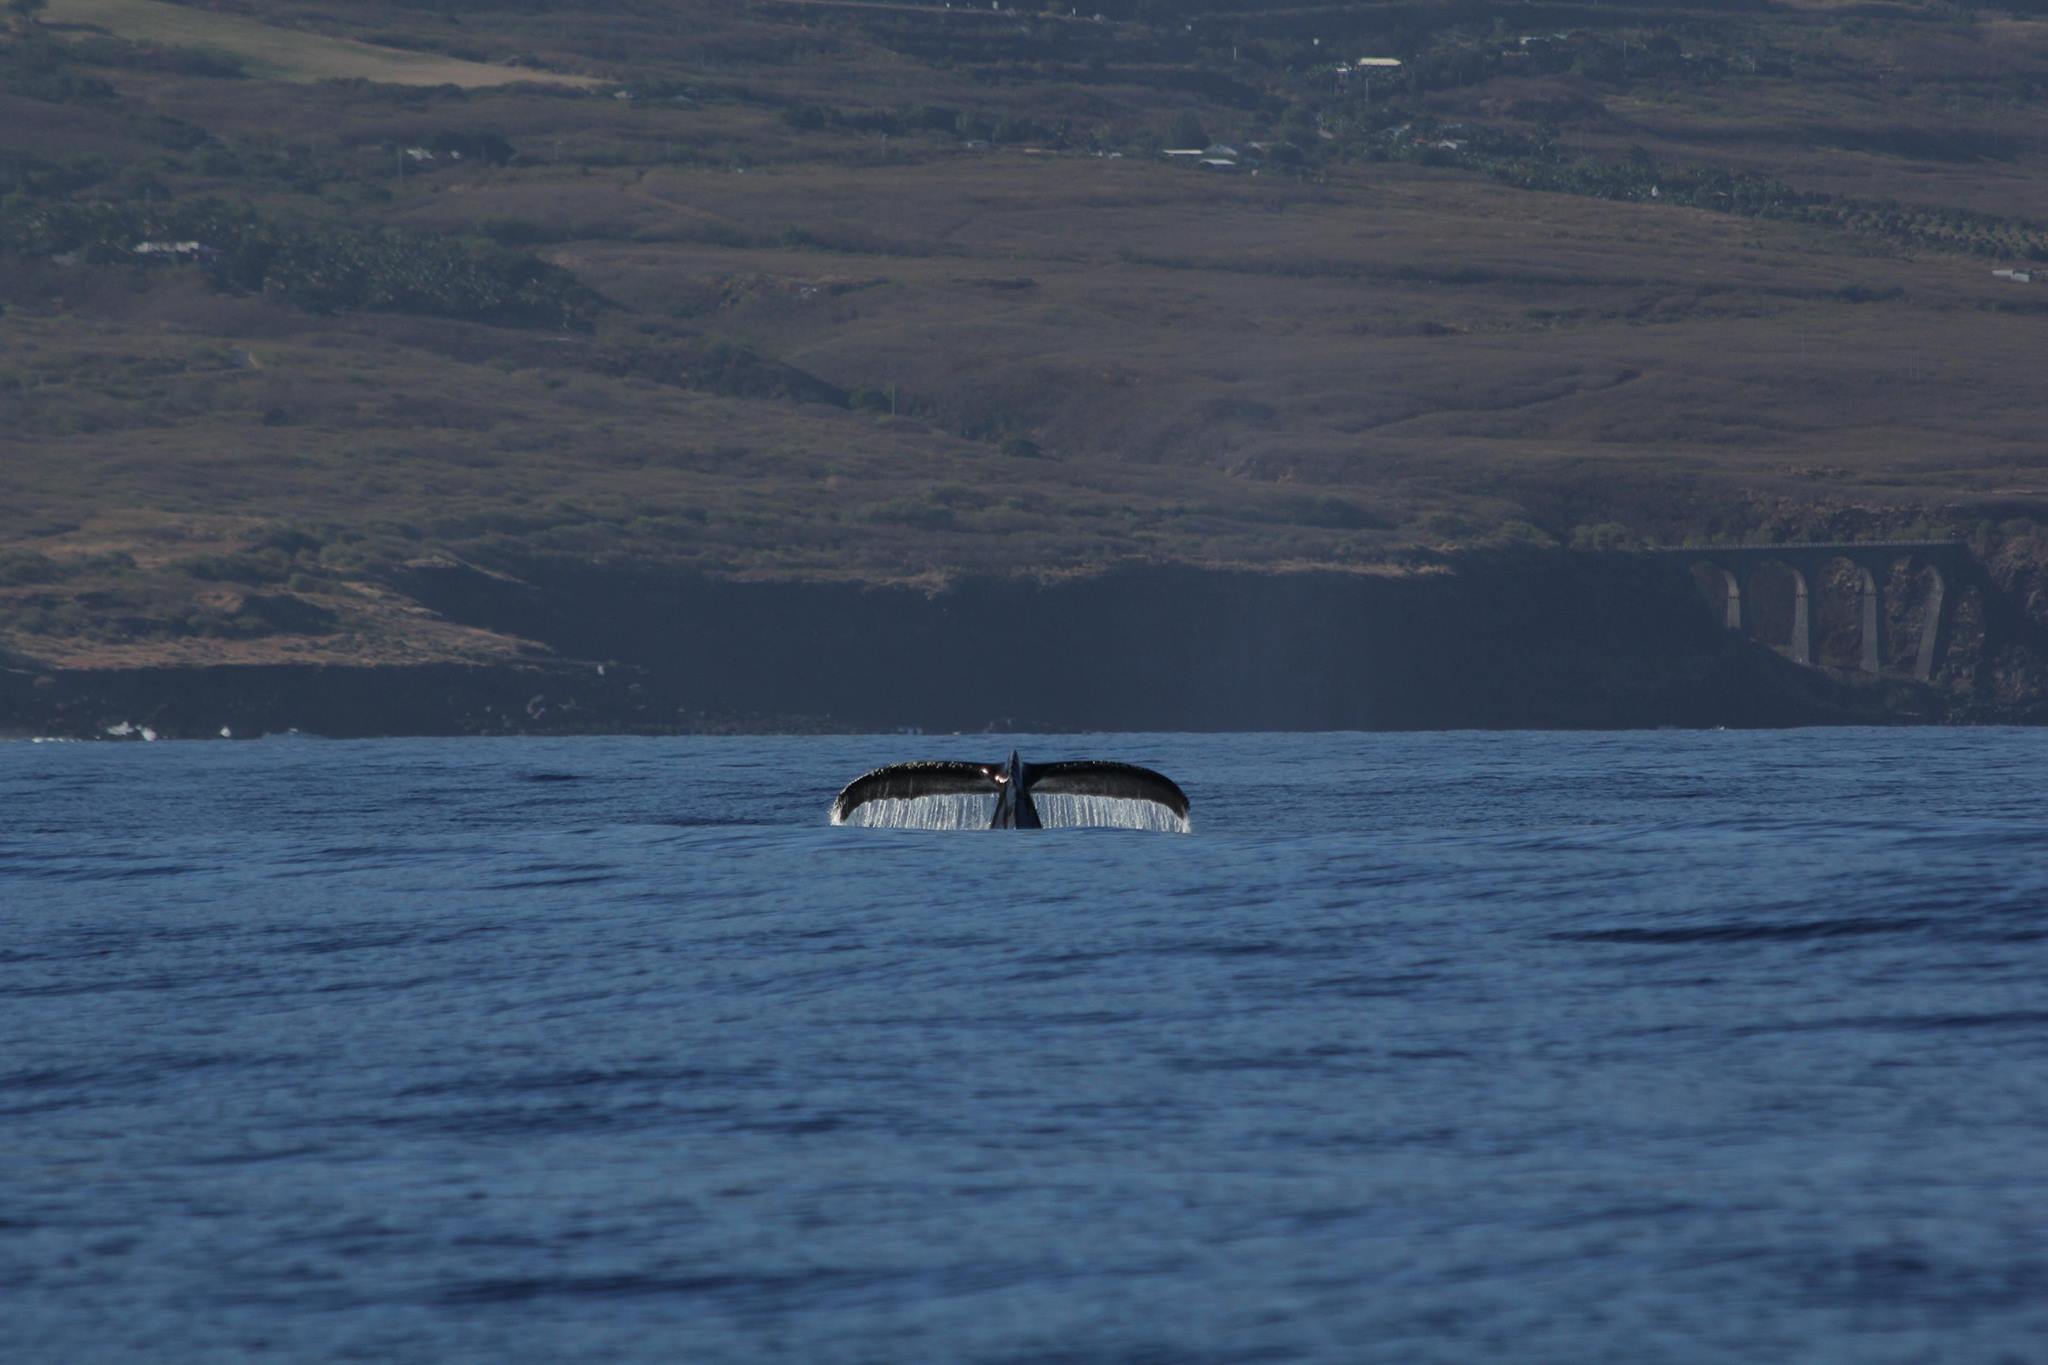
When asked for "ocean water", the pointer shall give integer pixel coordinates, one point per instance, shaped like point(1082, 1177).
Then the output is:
point(1456, 1047)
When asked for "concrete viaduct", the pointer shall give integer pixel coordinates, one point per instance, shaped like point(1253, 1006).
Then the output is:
point(1949, 565)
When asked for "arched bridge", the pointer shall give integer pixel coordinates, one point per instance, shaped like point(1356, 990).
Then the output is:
point(1733, 575)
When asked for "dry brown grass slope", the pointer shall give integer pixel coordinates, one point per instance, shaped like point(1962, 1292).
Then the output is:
point(287, 54)
point(1023, 356)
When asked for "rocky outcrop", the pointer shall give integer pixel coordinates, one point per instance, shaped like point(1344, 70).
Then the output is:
point(1535, 640)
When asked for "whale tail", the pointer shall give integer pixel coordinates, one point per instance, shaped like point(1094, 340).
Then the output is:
point(1102, 780)
point(1084, 792)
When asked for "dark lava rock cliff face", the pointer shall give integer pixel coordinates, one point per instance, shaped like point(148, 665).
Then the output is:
point(1537, 640)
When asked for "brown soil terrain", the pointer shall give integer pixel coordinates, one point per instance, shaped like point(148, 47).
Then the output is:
point(281, 53)
point(901, 294)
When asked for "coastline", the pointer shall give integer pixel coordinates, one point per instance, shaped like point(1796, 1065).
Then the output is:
point(1507, 642)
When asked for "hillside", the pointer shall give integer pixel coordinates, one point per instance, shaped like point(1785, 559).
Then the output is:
point(835, 292)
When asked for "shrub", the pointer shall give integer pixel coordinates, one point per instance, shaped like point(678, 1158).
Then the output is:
point(320, 267)
point(19, 568)
point(1514, 533)
point(1445, 525)
point(922, 513)
point(1339, 514)
point(1602, 535)
point(264, 566)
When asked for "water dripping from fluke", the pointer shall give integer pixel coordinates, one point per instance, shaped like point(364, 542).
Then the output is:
point(946, 794)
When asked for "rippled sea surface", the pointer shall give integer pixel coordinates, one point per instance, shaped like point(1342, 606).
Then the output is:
point(1629, 1047)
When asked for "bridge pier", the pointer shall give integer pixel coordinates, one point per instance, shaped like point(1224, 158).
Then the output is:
point(1805, 607)
point(1737, 568)
point(1800, 646)
point(1934, 626)
point(1870, 589)
point(1731, 601)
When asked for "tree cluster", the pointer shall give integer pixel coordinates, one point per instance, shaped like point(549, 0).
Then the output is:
point(319, 267)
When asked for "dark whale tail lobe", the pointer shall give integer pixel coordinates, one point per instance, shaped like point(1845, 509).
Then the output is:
point(1097, 779)
point(948, 795)
point(903, 782)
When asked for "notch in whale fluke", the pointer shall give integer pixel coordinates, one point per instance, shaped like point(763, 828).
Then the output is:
point(1084, 792)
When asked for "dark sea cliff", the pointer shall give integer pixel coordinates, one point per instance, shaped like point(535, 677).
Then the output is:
point(1536, 641)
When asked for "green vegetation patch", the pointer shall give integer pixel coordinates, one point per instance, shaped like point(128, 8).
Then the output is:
point(322, 267)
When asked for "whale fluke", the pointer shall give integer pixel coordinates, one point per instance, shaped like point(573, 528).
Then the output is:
point(1013, 784)
point(908, 781)
point(1099, 777)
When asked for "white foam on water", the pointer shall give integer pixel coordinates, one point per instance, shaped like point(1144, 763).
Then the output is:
point(1055, 812)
